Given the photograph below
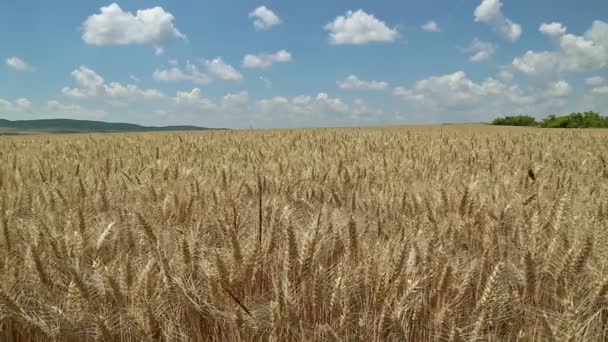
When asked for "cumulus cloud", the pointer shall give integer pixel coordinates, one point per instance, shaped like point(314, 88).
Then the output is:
point(456, 97)
point(268, 104)
point(301, 100)
point(601, 90)
point(263, 60)
point(92, 85)
point(264, 18)
point(223, 71)
point(4, 103)
point(193, 98)
point(457, 92)
point(431, 26)
point(334, 104)
point(6, 107)
point(322, 103)
point(359, 28)
point(17, 63)
point(536, 63)
point(120, 92)
point(231, 110)
point(587, 52)
point(480, 51)
point(113, 26)
point(353, 82)
point(572, 54)
point(361, 110)
point(312, 110)
point(506, 76)
point(235, 100)
point(552, 29)
point(16, 107)
point(175, 74)
point(594, 81)
point(490, 12)
point(23, 102)
point(558, 89)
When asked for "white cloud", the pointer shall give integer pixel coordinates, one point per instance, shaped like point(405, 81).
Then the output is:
point(301, 100)
point(359, 28)
point(175, 74)
point(481, 51)
point(92, 85)
point(489, 12)
point(194, 98)
point(74, 93)
point(361, 110)
point(456, 98)
point(113, 26)
point(6, 107)
point(304, 110)
point(159, 50)
point(353, 82)
point(594, 81)
point(23, 102)
point(334, 104)
point(117, 91)
point(170, 75)
point(553, 29)
point(263, 61)
point(457, 92)
point(536, 63)
point(273, 105)
point(223, 71)
point(4, 103)
point(233, 109)
point(558, 89)
point(318, 110)
point(235, 100)
point(17, 64)
point(506, 76)
point(587, 52)
point(407, 94)
point(431, 26)
point(264, 18)
point(601, 90)
point(267, 82)
point(573, 53)
point(18, 106)
point(304, 105)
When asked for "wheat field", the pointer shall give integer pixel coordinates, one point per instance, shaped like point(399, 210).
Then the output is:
point(443, 233)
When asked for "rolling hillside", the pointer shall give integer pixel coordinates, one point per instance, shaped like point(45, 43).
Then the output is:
point(84, 126)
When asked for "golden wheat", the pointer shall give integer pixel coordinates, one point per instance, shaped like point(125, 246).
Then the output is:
point(445, 233)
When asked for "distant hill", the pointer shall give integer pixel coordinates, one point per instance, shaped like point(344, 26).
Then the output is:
point(85, 126)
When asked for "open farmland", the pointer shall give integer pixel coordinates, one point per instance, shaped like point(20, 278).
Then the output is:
point(440, 233)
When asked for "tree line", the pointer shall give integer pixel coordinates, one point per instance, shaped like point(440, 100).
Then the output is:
point(573, 120)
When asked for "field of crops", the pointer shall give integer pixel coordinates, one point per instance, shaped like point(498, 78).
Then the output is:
point(445, 233)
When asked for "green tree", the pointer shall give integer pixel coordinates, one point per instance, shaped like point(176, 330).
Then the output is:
point(519, 120)
point(576, 120)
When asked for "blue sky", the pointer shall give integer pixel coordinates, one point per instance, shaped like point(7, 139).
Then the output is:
point(301, 64)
